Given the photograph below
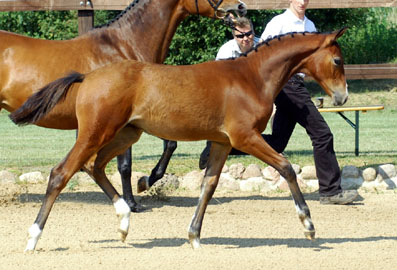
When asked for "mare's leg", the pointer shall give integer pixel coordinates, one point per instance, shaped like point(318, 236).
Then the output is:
point(217, 158)
point(144, 183)
point(254, 145)
point(124, 167)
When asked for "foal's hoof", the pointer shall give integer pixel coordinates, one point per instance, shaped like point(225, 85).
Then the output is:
point(194, 241)
point(122, 234)
point(310, 235)
point(143, 184)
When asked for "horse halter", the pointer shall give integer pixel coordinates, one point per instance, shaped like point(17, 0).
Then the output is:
point(213, 4)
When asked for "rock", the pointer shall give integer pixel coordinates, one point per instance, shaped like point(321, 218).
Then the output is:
point(308, 172)
point(253, 184)
point(169, 181)
point(32, 177)
point(374, 185)
point(253, 170)
point(192, 180)
point(350, 172)
point(283, 184)
point(312, 184)
point(271, 174)
point(225, 169)
point(297, 168)
point(387, 171)
point(236, 170)
point(369, 174)
point(7, 177)
point(391, 183)
point(228, 182)
point(351, 183)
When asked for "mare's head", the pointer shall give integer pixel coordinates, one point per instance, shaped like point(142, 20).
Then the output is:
point(220, 9)
point(326, 67)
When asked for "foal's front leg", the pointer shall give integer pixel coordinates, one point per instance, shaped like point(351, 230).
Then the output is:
point(216, 161)
point(255, 145)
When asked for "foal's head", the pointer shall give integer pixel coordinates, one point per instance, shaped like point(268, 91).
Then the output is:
point(326, 66)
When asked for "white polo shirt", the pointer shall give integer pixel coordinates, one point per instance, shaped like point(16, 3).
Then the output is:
point(231, 49)
point(285, 23)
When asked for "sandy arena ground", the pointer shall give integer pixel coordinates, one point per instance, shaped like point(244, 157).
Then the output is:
point(240, 231)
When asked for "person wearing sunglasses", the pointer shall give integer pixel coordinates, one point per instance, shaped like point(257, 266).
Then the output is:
point(243, 40)
point(294, 105)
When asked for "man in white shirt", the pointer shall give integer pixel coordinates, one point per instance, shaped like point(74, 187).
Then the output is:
point(294, 105)
point(243, 40)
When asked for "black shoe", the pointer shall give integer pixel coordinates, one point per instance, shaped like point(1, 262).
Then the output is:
point(345, 197)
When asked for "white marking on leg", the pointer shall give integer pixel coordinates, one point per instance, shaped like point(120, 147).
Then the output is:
point(34, 235)
point(124, 211)
point(299, 210)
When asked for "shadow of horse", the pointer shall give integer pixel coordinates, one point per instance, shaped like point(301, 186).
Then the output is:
point(234, 242)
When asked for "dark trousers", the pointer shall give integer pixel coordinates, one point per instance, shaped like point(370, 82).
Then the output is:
point(294, 105)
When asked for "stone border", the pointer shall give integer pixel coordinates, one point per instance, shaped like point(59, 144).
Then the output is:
point(240, 178)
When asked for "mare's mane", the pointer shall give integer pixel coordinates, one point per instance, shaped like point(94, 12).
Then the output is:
point(121, 14)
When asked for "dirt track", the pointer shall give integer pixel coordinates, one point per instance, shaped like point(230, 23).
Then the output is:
point(240, 231)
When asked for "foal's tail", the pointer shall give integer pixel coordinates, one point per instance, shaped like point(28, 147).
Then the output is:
point(42, 102)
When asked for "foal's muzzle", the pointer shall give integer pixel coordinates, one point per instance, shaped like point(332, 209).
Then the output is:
point(339, 99)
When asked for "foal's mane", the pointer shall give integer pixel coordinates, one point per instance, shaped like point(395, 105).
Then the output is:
point(120, 15)
point(266, 42)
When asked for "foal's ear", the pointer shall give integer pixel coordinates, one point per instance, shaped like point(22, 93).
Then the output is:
point(332, 37)
point(340, 32)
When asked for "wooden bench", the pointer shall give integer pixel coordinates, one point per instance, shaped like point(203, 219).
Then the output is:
point(355, 125)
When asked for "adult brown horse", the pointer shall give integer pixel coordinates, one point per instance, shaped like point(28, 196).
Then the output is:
point(227, 102)
point(143, 31)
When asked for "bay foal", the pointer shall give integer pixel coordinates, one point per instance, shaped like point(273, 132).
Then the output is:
point(227, 102)
point(143, 31)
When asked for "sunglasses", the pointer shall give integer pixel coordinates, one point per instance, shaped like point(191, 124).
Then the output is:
point(247, 34)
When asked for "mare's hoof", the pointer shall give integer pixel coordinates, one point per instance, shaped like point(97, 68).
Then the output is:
point(122, 234)
point(310, 235)
point(143, 184)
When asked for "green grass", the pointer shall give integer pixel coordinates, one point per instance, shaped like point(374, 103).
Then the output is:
point(28, 148)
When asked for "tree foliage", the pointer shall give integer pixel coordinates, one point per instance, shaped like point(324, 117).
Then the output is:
point(41, 24)
point(371, 38)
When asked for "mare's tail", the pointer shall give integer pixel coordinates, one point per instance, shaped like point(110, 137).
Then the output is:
point(42, 102)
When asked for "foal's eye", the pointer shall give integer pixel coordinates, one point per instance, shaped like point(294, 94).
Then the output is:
point(337, 61)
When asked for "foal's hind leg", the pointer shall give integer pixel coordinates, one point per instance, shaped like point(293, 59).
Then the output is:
point(144, 183)
point(123, 140)
point(59, 177)
point(255, 145)
point(217, 158)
